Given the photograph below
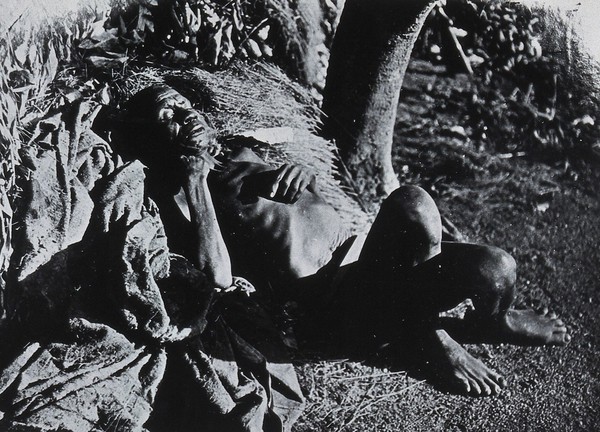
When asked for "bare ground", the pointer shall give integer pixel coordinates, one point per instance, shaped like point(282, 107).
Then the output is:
point(548, 216)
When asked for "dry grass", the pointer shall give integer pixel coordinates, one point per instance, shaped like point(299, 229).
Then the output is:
point(237, 99)
point(341, 394)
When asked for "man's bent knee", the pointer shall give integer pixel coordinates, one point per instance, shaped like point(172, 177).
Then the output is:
point(501, 264)
point(499, 269)
point(415, 206)
point(406, 232)
point(412, 200)
point(415, 215)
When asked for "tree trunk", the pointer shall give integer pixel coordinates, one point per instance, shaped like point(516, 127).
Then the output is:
point(369, 57)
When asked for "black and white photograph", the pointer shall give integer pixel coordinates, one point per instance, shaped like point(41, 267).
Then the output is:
point(299, 215)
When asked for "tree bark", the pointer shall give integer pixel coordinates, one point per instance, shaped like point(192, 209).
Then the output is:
point(369, 57)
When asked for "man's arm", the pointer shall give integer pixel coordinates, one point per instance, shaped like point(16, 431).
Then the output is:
point(285, 184)
point(212, 256)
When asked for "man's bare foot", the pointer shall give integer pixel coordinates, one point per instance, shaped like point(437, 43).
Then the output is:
point(453, 365)
point(527, 327)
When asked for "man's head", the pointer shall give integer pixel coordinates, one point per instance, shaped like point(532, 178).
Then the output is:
point(159, 124)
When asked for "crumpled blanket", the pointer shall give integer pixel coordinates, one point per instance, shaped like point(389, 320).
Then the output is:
point(110, 331)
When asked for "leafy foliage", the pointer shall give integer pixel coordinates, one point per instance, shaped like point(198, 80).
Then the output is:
point(495, 35)
point(206, 33)
point(526, 98)
point(30, 62)
point(211, 33)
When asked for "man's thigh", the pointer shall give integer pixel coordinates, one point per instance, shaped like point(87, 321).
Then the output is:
point(435, 285)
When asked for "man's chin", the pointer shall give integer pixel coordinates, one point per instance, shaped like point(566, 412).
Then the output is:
point(200, 146)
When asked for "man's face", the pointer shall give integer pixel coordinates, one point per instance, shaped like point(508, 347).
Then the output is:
point(183, 126)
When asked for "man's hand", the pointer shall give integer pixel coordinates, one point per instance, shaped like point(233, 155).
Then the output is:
point(195, 166)
point(289, 182)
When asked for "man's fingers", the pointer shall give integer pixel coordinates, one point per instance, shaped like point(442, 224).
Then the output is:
point(295, 189)
point(195, 165)
point(312, 184)
point(302, 186)
point(286, 182)
point(289, 183)
point(280, 172)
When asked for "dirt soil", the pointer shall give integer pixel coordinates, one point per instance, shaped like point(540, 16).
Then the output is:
point(548, 216)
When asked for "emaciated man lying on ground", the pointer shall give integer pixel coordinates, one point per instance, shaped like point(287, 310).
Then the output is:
point(271, 225)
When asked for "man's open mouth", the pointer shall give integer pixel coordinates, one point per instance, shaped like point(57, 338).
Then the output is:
point(199, 138)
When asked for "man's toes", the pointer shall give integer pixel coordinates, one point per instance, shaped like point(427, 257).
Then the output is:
point(475, 388)
point(485, 388)
point(502, 382)
point(563, 338)
point(494, 386)
point(463, 384)
point(496, 377)
point(560, 337)
point(560, 328)
point(496, 381)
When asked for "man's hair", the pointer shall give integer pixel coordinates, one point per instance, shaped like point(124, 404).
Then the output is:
point(141, 104)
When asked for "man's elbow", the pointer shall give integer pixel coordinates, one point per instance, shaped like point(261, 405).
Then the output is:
point(216, 267)
point(221, 281)
point(220, 276)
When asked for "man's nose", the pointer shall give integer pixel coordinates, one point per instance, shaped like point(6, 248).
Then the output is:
point(187, 115)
